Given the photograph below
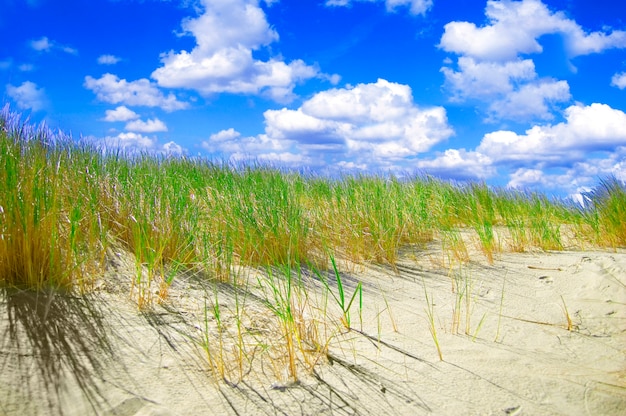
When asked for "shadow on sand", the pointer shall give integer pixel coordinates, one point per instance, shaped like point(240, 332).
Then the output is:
point(47, 341)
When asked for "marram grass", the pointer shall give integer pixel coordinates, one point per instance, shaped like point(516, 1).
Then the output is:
point(66, 204)
point(63, 202)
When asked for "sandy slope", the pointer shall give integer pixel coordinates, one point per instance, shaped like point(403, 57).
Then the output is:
point(100, 355)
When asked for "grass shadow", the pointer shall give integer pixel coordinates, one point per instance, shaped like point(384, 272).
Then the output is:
point(50, 341)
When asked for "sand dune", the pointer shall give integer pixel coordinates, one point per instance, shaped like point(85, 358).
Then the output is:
point(514, 352)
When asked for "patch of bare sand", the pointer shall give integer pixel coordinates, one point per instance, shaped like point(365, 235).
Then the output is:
point(511, 354)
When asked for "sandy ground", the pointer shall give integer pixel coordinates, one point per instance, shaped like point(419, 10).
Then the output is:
point(502, 329)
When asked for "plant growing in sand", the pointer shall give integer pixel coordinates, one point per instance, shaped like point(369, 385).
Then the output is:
point(482, 217)
point(215, 357)
point(340, 298)
point(568, 318)
point(607, 212)
point(500, 311)
point(285, 295)
point(430, 314)
point(49, 230)
point(463, 288)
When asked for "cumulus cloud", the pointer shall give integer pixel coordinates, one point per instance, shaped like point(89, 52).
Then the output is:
point(226, 34)
point(232, 145)
point(133, 142)
point(459, 164)
point(378, 119)
point(129, 141)
point(415, 6)
point(46, 45)
point(487, 80)
point(108, 59)
point(570, 155)
point(230, 142)
point(514, 27)
point(121, 113)
point(530, 101)
point(27, 96)
point(579, 177)
point(526, 178)
point(490, 68)
point(173, 148)
point(593, 128)
point(109, 88)
point(41, 45)
point(376, 125)
point(513, 89)
point(149, 126)
point(619, 80)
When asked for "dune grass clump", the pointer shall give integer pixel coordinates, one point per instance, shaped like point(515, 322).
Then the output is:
point(51, 234)
point(607, 214)
point(63, 203)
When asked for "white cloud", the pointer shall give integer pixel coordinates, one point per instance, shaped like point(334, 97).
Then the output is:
point(46, 45)
point(526, 178)
point(351, 166)
point(135, 143)
point(530, 101)
point(593, 128)
point(490, 68)
point(287, 159)
point(226, 33)
point(515, 26)
point(70, 50)
point(614, 164)
point(415, 6)
point(376, 125)
point(129, 141)
point(379, 120)
point(108, 59)
point(41, 45)
point(149, 126)
point(579, 177)
point(513, 88)
point(619, 80)
point(230, 142)
point(487, 80)
point(109, 88)
point(339, 2)
point(459, 164)
point(224, 136)
point(229, 24)
point(567, 156)
point(173, 148)
point(121, 113)
point(578, 42)
point(26, 67)
point(27, 96)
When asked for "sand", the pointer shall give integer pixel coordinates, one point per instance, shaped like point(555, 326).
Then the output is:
point(514, 353)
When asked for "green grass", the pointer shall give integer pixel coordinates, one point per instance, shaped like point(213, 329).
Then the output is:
point(64, 203)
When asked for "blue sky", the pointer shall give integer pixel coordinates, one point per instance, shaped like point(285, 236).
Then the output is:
point(526, 94)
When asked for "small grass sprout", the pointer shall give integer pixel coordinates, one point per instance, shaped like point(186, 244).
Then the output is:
point(340, 298)
point(430, 314)
point(568, 318)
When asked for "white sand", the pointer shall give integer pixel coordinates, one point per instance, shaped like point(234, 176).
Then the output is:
point(103, 356)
